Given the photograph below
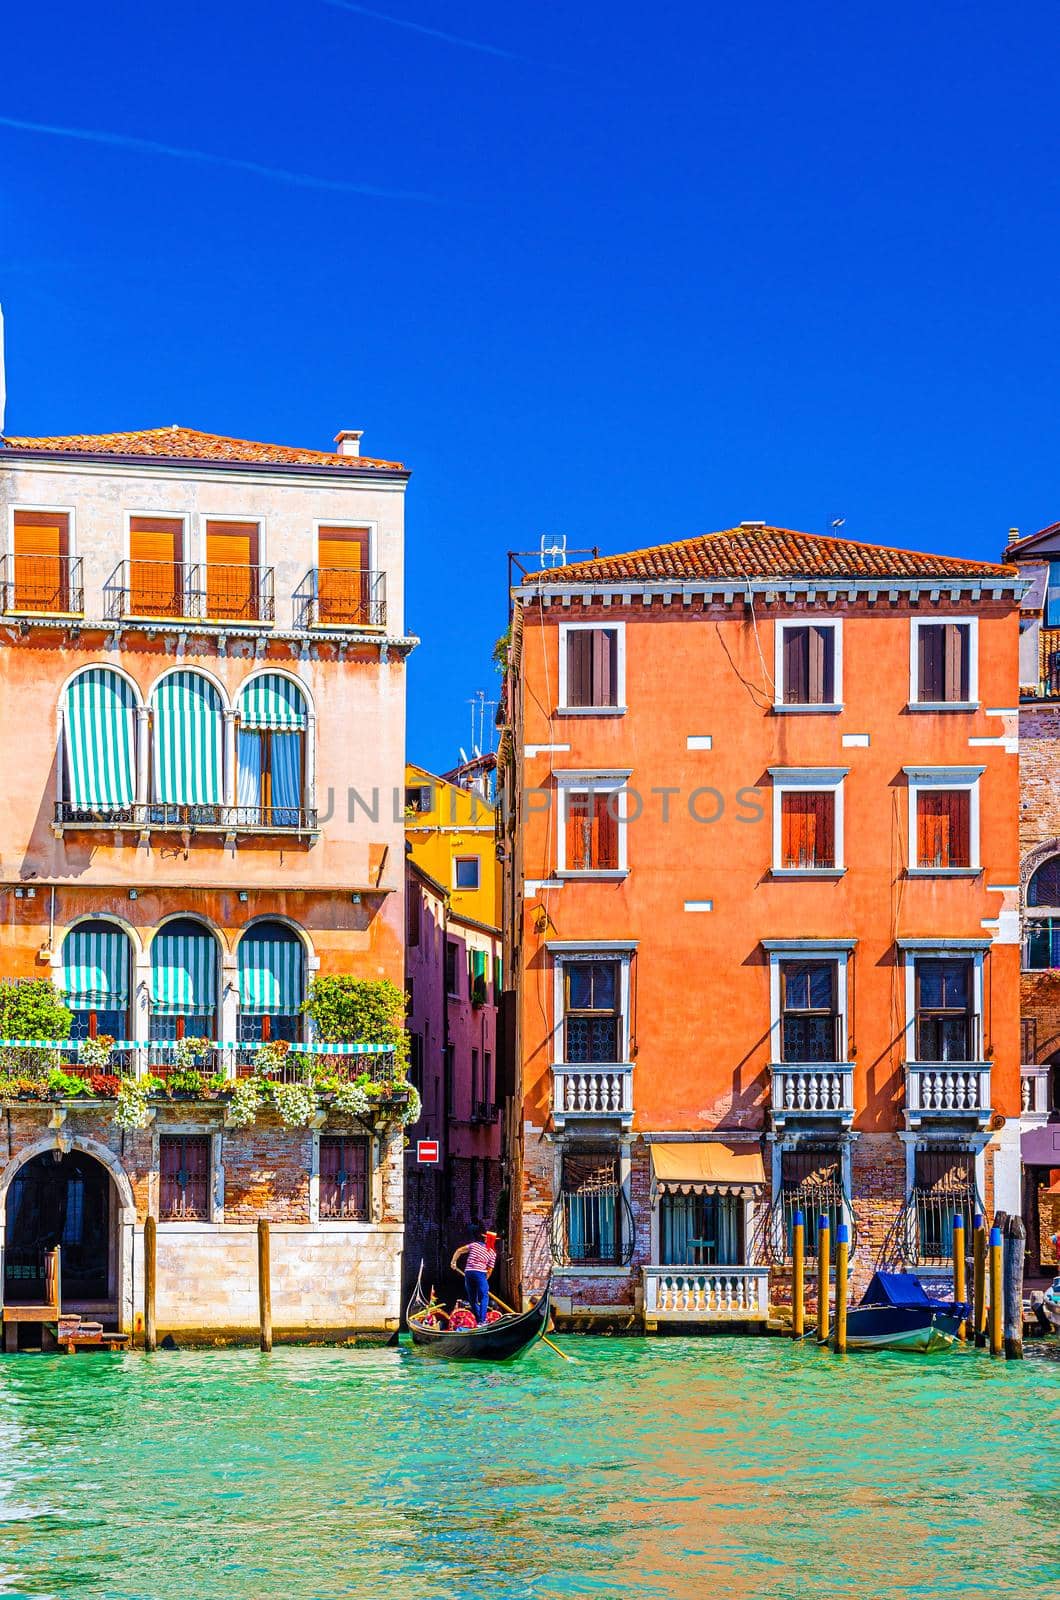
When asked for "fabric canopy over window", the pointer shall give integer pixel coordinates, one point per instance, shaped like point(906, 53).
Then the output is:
point(95, 970)
point(696, 1168)
point(188, 734)
point(271, 967)
point(183, 972)
point(100, 727)
point(272, 701)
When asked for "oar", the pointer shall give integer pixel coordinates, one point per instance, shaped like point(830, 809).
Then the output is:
point(514, 1313)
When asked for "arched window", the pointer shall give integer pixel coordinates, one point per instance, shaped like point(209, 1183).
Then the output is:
point(271, 983)
point(1042, 941)
point(95, 979)
point(188, 719)
point(184, 986)
point(100, 743)
point(273, 719)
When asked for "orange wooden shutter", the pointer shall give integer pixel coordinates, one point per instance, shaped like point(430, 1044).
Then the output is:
point(156, 556)
point(231, 570)
point(342, 555)
point(943, 828)
point(807, 828)
point(41, 543)
point(578, 850)
point(605, 832)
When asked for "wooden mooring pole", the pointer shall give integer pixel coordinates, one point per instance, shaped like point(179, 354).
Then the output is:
point(996, 1341)
point(150, 1279)
point(264, 1285)
point(823, 1257)
point(1013, 1251)
point(798, 1276)
point(979, 1280)
point(959, 1283)
point(842, 1267)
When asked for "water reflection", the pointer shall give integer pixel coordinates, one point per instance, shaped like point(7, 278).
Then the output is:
point(663, 1468)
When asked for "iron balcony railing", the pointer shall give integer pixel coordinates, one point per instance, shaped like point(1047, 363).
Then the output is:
point(185, 819)
point(50, 584)
point(335, 597)
point(197, 592)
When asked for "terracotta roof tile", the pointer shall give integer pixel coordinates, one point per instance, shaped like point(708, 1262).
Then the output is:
point(189, 444)
point(754, 550)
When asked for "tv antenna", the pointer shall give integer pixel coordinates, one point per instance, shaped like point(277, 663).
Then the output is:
point(553, 550)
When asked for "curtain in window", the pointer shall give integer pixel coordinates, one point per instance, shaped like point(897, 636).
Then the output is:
point(100, 739)
point(703, 1229)
point(270, 974)
point(273, 701)
point(95, 970)
point(249, 760)
point(183, 973)
point(286, 753)
point(188, 741)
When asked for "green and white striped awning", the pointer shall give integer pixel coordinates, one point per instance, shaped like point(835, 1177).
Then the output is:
point(270, 975)
point(183, 973)
point(95, 970)
point(188, 741)
point(100, 729)
point(273, 701)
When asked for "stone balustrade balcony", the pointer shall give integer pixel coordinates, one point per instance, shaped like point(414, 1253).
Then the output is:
point(705, 1294)
point(599, 1091)
point(947, 1091)
point(808, 1091)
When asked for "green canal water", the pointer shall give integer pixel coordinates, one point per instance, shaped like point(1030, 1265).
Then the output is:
point(649, 1468)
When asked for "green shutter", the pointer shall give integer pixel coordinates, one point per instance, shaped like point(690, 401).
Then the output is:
point(270, 975)
point(100, 730)
point(188, 741)
point(183, 973)
point(478, 964)
point(95, 970)
point(272, 701)
point(498, 974)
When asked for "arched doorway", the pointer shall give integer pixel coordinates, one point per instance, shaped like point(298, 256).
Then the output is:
point(66, 1199)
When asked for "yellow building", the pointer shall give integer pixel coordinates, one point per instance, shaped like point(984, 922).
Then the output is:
point(449, 824)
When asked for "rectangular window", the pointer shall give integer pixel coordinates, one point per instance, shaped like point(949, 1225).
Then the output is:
point(415, 908)
point(943, 828)
point(466, 872)
point(476, 1082)
point(269, 778)
point(477, 977)
point(808, 664)
point(701, 1230)
point(592, 1011)
point(943, 662)
point(184, 1177)
point(452, 968)
point(487, 1078)
point(41, 560)
point(807, 829)
point(343, 579)
point(943, 1185)
point(1052, 598)
point(945, 1018)
point(344, 1177)
point(810, 1028)
point(450, 1079)
point(419, 798)
point(416, 1061)
point(591, 836)
point(591, 667)
point(811, 1182)
point(589, 1231)
point(156, 567)
point(232, 571)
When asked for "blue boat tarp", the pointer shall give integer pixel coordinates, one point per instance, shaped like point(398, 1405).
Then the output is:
point(906, 1289)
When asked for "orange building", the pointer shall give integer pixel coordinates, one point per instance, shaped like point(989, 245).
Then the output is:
point(761, 800)
point(202, 723)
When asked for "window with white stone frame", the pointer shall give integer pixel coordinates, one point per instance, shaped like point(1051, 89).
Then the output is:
point(592, 669)
point(808, 820)
point(808, 667)
point(943, 664)
point(944, 820)
point(591, 825)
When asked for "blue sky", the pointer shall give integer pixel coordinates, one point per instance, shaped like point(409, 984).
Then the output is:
point(618, 273)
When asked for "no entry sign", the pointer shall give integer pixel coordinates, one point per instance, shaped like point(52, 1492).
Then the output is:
point(427, 1152)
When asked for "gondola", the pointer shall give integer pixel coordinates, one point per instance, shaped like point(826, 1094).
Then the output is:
point(502, 1340)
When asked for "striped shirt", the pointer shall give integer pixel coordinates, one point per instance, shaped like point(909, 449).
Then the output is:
point(480, 1258)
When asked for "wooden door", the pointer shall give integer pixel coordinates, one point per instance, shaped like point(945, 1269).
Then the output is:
point(156, 567)
point(41, 549)
point(342, 557)
point(232, 570)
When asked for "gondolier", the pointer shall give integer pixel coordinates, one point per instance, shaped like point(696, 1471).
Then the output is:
point(481, 1260)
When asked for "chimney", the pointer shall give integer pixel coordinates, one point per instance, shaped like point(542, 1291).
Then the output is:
point(348, 441)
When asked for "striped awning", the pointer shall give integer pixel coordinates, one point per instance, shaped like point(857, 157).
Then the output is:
point(95, 970)
point(188, 741)
point(270, 975)
point(100, 730)
point(183, 973)
point(273, 701)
